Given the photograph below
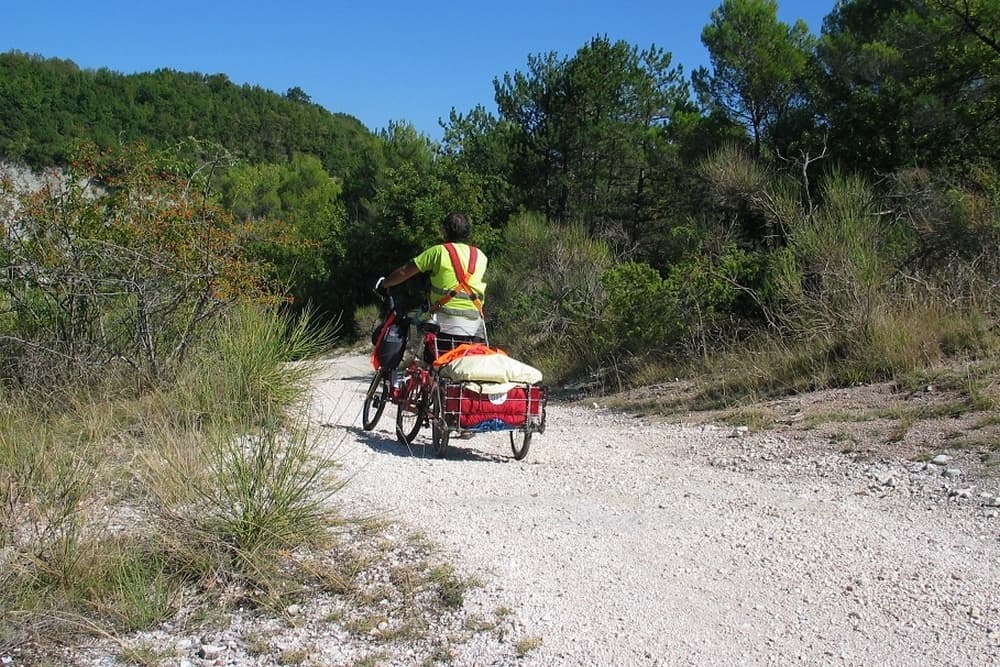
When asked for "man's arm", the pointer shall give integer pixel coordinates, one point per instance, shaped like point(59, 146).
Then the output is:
point(401, 275)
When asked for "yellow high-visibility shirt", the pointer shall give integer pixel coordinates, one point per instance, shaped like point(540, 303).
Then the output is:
point(436, 261)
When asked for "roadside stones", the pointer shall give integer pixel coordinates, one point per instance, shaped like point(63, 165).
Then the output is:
point(941, 459)
point(209, 652)
point(889, 480)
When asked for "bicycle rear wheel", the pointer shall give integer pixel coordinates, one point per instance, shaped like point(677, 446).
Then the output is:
point(411, 411)
point(375, 400)
point(439, 427)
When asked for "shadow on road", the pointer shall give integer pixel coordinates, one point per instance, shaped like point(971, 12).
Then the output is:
point(458, 450)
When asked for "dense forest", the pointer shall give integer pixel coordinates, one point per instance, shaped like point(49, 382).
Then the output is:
point(835, 197)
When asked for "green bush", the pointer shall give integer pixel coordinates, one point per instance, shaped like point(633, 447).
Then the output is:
point(545, 295)
point(122, 277)
point(642, 313)
point(365, 318)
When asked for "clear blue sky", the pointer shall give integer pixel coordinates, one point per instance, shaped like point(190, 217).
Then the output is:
point(378, 61)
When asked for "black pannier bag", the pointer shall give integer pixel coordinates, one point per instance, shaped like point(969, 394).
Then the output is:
point(389, 339)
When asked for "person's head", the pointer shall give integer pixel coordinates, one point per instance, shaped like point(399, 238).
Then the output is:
point(456, 227)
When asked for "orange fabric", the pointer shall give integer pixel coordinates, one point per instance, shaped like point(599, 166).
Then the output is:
point(464, 350)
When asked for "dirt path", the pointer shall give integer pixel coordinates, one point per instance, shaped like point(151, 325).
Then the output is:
point(621, 541)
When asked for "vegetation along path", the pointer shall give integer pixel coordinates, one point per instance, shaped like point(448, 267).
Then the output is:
point(634, 541)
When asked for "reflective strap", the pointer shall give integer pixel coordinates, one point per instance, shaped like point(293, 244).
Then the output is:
point(472, 260)
point(453, 294)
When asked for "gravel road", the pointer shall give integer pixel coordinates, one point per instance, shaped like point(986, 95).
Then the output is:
point(626, 541)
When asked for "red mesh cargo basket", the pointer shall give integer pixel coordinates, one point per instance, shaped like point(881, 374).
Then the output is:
point(519, 408)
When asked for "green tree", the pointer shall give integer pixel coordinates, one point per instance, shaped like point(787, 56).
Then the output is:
point(912, 83)
point(758, 64)
point(299, 218)
point(588, 130)
point(296, 94)
point(477, 148)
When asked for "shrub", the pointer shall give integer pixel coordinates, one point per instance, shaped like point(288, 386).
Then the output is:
point(119, 265)
point(242, 373)
point(545, 293)
point(217, 495)
point(642, 314)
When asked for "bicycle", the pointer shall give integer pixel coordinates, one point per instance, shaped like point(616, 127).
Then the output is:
point(424, 397)
point(413, 400)
point(378, 394)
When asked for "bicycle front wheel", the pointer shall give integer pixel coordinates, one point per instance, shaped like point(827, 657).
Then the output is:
point(375, 400)
point(411, 412)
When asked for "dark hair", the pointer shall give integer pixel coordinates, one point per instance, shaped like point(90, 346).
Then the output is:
point(456, 227)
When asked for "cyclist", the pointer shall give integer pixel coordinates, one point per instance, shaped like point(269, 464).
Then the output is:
point(456, 270)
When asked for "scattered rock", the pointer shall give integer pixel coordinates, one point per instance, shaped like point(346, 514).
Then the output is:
point(885, 478)
point(209, 652)
point(941, 459)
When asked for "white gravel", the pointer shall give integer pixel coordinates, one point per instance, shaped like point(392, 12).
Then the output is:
point(621, 541)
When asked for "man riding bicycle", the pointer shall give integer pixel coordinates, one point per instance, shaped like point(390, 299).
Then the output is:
point(457, 288)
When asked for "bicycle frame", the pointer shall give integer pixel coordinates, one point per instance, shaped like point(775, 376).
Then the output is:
point(415, 377)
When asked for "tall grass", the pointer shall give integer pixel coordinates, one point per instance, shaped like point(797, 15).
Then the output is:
point(110, 507)
point(241, 501)
point(242, 374)
point(900, 341)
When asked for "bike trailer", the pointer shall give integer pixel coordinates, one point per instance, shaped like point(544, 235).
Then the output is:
point(483, 389)
point(476, 406)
